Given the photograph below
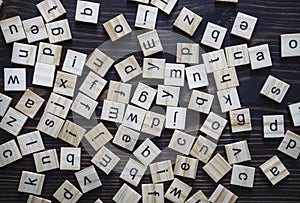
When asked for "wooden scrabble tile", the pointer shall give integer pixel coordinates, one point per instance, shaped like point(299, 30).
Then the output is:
point(143, 96)
point(14, 79)
point(229, 99)
point(199, 197)
point(105, 160)
point(49, 53)
point(260, 56)
point(214, 61)
point(273, 126)
point(35, 29)
point(93, 85)
point(161, 171)
point(70, 158)
point(71, 133)
point(43, 74)
point(174, 74)
point(64, 83)
point(167, 95)
point(237, 152)
point(134, 117)
point(147, 152)
point(153, 123)
point(243, 25)
point(113, 111)
point(119, 92)
point(133, 172)
point(175, 118)
point(228, 1)
point(187, 53)
point(117, 27)
point(226, 78)
point(98, 136)
point(87, 12)
point(12, 29)
point(213, 126)
point(213, 36)
point(51, 9)
point(178, 191)
point(187, 21)
point(240, 120)
point(154, 68)
point(126, 138)
point(35, 199)
point(186, 167)
point(74, 62)
point(58, 105)
point(274, 89)
point(67, 193)
point(150, 43)
point(30, 103)
point(217, 167)
point(99, 62)
point(59, 31)
point(13, 121)
point(9, 153)
point(31, 183)
point(88, 179)
point(237, 55)
point(196, 76)
point(294, 111)
point(4, 102)
point(203, 149)
point(128, 69)
point(201, 101)
point(181, 142)
point(222, 195)
point(50, 124)
point(84, 106)
point(242, 176)
point(30, 143)
point(146, 17)
point(23, 54)
point(165, 6)
point(290, 45)
point(274, 170)
point(290, 144)
point(98, 201)
point(153, 193)
point(126, 194)
point(46, 160)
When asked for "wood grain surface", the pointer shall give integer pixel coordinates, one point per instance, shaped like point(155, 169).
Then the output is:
point(274, 18)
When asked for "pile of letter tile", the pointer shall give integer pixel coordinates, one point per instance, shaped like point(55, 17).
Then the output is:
point(133, 113)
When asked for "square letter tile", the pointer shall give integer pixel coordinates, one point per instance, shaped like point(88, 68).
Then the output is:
point(243, 25)
point(146, 17)
point(117, 27)
point(88, 179)
point(14, 79)
point(51, 9)
point(43, 74)
point(260, 56)
point(87, 12)
point(187, 21)
point(31, 183)
point(274, 170)
point(274, 89)
point(214, 35)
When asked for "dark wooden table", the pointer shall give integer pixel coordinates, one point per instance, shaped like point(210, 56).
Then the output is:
point(275, 17)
